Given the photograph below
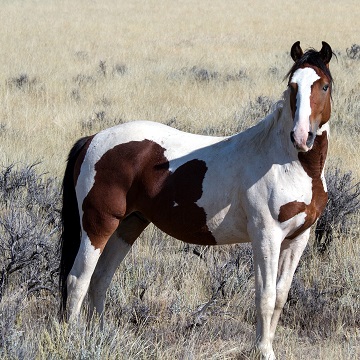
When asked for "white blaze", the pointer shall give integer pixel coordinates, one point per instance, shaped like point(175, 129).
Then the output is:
point(326, 128)
point(304, 78)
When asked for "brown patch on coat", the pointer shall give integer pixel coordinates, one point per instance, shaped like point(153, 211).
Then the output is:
point(135, 177)
point(176, 210)
point(313, 163)
point(291, 209)
point(320, 100)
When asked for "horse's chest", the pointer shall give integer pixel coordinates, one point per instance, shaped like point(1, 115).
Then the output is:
point(297, 216)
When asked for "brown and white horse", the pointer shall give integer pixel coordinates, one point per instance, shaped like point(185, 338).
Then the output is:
point(265, 186)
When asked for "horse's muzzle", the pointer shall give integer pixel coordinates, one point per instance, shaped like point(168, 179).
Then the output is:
point(303, 146)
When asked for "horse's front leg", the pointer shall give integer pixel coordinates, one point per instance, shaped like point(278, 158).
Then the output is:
point(266, 243)
point(290, 253)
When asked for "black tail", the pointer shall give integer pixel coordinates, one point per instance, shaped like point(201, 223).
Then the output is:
point(71, 230)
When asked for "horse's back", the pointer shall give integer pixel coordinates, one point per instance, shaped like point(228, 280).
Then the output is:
point(174, 179)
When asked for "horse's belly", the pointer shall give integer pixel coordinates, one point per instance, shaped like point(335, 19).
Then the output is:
point(228, 226)
point(192, 224)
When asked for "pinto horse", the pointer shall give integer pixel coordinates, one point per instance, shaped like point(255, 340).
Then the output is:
point(265, 185)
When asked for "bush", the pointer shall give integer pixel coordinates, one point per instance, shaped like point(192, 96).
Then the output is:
point(353, 52)
point(29, 229)
point(343, 204)
point(22, 82)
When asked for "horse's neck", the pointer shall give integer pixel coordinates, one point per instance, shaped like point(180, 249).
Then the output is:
point(272, 134)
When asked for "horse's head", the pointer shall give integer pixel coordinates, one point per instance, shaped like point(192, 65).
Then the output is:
point(310, 84)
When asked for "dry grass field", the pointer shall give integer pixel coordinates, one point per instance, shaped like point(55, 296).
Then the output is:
point(71, 68)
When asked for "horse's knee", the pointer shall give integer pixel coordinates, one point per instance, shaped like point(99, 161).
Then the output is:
point(266, 300)
point(281, 297)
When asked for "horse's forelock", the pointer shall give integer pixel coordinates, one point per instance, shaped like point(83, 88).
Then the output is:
point(313, 58)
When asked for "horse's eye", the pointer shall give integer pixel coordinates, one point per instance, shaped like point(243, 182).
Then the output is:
point(325, 87)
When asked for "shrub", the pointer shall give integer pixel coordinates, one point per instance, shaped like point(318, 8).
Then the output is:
point(84, 80)
point(201, 74)
point(119, 69)
point(343, 204)
point(21, 82)
point(99, 120)
point(353, 52)
point(102, 68)
point(253, 112)
point(29, 225)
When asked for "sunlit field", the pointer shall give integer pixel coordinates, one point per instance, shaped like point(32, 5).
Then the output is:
point(71, 68)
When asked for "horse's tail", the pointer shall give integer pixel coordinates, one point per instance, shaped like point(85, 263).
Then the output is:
point(71, 229)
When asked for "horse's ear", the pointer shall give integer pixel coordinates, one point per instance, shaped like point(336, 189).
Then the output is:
point(326, 52)
point(296, 51)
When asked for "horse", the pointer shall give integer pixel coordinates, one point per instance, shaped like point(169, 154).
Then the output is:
point(265, 185)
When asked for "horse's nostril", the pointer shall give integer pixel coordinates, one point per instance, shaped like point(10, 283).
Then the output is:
point(310, 140)
point(292, 137)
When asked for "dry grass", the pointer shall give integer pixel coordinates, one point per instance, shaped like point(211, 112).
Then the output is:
point(69, 69)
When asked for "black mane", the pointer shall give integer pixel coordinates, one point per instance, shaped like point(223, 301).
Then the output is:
point(311, 57)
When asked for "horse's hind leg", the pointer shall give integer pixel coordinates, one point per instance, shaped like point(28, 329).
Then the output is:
point(92, 244)
point(115, 250)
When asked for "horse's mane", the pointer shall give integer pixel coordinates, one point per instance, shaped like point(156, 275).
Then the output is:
point(261, 130)
point(311, 57)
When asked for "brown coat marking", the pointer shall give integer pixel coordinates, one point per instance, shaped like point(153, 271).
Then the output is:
point(135, 176)
point(313, 163)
